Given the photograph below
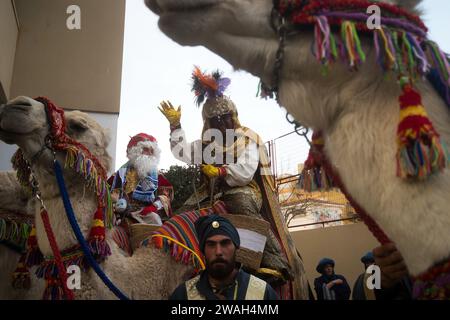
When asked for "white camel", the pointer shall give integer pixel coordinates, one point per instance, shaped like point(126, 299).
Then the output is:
point(150, 273)
point(357, 111)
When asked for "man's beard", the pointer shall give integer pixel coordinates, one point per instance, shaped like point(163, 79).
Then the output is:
point(221, 271)
point(144, 164)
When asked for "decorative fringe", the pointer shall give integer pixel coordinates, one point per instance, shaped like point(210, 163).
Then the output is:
point(420, 152)
point(175, 251)
point(15, 233)
point(401, 48)
point(100, 248)
point(433, 284)
point(77, 160)
point(122, 239)
point(326, 48)
point(21, 278)
point(314, 177)
point(48, 270)
point(352, 44)
point(97, 243)
point(33, 256)
point(180, 228)
point(53, 290)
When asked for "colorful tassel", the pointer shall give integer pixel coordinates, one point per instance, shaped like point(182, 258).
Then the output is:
point(420, 152)
point(21, 278)
point(352, 44)
point(434, 284)
point(97, 240)
point(33, 256)
point(326, 48)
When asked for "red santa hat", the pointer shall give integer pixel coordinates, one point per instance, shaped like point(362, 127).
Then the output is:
point(143, 140)
point(140, 137)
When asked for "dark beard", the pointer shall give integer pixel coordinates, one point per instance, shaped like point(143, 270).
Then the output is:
point(220, 271)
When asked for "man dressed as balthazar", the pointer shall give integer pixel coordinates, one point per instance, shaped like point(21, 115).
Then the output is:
point(236, 170)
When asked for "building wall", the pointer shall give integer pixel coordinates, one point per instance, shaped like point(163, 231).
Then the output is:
point(344, 244)
point(78, 69)
point(8, 40)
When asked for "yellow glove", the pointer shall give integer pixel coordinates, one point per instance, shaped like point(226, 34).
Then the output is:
point(170, 113)
point(213, 172)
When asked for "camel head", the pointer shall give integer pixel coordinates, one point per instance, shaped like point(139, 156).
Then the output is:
point(36, 127)
point(23, 121)
point(238, 30)
point(242, 32)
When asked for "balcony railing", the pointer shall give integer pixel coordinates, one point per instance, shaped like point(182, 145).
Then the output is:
point(355, 218)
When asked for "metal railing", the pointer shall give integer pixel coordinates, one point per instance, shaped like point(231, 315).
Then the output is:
point(355, 218)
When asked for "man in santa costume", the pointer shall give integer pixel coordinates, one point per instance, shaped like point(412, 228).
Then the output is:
point(137, 188)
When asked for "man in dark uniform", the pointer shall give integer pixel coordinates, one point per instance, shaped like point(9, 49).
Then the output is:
point(222, 279)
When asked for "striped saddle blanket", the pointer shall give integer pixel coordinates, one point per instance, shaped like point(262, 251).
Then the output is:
point(178, 237)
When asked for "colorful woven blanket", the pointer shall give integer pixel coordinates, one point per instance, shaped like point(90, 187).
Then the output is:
point(178, 237)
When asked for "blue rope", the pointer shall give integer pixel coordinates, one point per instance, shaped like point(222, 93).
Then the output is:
point(440, 86)
point(79, 235)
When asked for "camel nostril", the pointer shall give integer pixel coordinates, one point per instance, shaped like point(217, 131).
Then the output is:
point(22, 107)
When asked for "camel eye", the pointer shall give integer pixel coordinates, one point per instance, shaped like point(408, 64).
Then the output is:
point(77, 126)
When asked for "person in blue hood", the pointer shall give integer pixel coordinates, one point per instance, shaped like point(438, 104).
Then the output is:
point(360, 290)
point(330, 286)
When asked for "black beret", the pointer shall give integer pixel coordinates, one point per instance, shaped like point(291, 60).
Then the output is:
point(212, 225)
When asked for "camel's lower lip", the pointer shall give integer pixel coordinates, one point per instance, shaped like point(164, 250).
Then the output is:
point(4, 136)
point(183, 9)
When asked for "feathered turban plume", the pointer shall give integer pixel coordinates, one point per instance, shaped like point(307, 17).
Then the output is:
point(208, 86)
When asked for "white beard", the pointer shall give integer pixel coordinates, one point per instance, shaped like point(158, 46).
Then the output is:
point(144, 164)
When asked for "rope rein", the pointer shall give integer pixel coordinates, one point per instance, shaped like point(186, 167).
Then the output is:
point(79, 235)
point(57, 254)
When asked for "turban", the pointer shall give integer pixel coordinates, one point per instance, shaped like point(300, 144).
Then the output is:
point(368, 258)
point(212, 225)
point(323, 263)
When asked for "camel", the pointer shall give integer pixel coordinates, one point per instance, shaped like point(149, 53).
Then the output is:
point(149, 273)
point(357, 112)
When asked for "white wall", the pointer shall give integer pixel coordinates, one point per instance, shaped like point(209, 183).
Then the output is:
point(105, 120)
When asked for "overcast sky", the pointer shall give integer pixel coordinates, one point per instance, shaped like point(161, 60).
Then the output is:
point(156, 68)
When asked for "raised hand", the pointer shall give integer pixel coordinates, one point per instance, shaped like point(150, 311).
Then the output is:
point(172, 114)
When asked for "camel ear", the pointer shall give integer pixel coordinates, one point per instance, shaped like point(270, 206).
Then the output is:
point(412, 6)
point(107, 136)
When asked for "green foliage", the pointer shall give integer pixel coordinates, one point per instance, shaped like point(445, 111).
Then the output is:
point(182, 177)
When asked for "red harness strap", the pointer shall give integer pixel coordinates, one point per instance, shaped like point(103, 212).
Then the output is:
point(58, 259)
